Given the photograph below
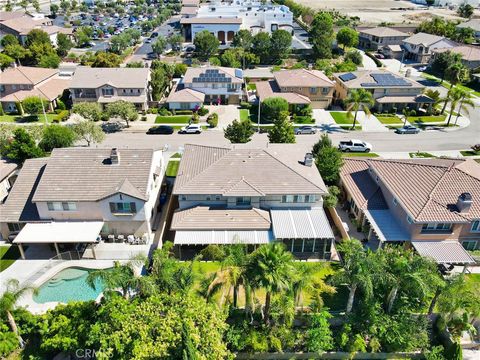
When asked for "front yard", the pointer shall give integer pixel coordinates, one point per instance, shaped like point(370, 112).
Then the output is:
point(389, 120)
point(173, 119)
point(344, 121)
point(26, 119)
point(427, 119)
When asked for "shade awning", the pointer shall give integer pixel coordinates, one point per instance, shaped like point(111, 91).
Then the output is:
point(444, 252)
point(300, 224)
point(386, 226)
point(222, 237)
point(59, 232)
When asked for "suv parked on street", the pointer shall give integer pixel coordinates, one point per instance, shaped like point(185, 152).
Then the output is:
point(191, 129)
point(354, 146)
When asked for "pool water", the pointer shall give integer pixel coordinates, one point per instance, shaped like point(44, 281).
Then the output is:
point(68, 285)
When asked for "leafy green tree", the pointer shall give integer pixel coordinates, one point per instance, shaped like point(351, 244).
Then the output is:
point(88, 110)
point(106, 59)
point(56, 136)
point(83, 35)
point(464, 35)
point(270, 267)
point(5, 61)
point(16, 51)
point(37, 36)
point(9, 39)
point(280, 44)
point(239, 132)
point(64, 5)
point(261, 46)
point(272, 107)
point(329, 161)
point(206, 44)
point(13, 293)
point(322, 34)
point(331, 199)
point(54, 9)
point(358, 99)
point(320, 144)
point(319, 334)
point(23, 4)
point(33, 105)
point(135, 65)
point(118, 43)
point(88, 131)
point(8, 340)
point(64, 44)
point(282, 130)
point(465, 10)
point(180, 70)
point(123, 110)
point(9, 5)
point(176, 41)
point(347, 37)
point(354, 56)
point(243, 39)
point(232, 58)
point(442, 61)
point(50, 60)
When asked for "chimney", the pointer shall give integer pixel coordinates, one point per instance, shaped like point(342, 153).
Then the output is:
point(464, 202)
point(115, 156)
point(308, 160)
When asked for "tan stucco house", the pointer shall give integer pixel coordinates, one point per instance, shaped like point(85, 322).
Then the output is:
point(378, 37)
point(470, 55)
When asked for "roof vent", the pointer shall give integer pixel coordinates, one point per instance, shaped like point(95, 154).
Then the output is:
point(308, 160)
point(115, 156)
point(464, 202)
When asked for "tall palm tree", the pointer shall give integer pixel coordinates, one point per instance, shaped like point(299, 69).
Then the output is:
point(462, 97)
point(455, 74)
point(270, 267)
point(406, 114)
point(13, 293)
point(356, 100)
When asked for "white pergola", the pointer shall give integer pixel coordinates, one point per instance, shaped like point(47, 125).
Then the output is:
point(58, 233)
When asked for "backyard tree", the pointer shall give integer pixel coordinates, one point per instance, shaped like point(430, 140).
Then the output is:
point(280, 44)
point(54, 9)
point(106, 59)
point(176, 41)
point(21, 147)
point(358, 99)
point(232, 58)
point(465, 10)
point(123, 110)
point(63, 44)
point(329, 161)
point(37, 36)
point(261, 46)
point(5, 61)
point(88, 131)
point(347, 37)
point(320, 144)
point(9, 39)
point(16, 51)
point(243, 39)
point(272, 107)
point(322, 34)
point(442, 61)
point(88, 110)
point(319, 335)
point(50, 60)
point(282, 130)
point(239, 132)
point(56, 136)
point(354, 56)
point(206, 44)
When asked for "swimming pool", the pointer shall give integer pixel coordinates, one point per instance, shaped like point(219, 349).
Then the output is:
point(67, 285)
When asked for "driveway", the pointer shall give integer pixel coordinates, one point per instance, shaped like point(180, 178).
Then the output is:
point(368, 63)
point(226, 114)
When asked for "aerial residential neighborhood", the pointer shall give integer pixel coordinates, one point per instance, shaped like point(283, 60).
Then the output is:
point(240, 179)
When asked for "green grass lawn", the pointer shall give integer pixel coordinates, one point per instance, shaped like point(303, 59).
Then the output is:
point(446, 84)
point(473, 278)
point(388, 120)
point(244, 114)
point(427, 119)
point(172, 168)
point(341, 118)
point(176, 156)
point(359, 154)
point(469, 153)
point(8, 255)
point(252, 86)
point(174, 119)
point(417, 155)
point(26, 119)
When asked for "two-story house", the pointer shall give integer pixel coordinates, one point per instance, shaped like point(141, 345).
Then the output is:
point(21, 82)
point(378, 37)
point(298, 87)
point(8, 174)
point(473, 24)
point(250, 196)
point(470, 55)
point(107, 85)
point(79, 194)
point(419, 47)
point(432, 205)
point(209, 85)
point(389, 90)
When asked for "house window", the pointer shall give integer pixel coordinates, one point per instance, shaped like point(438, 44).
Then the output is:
point(243, 200)
point(313, 90)
point(123, 208)
point(13, 227)
point(107, 92)
point(469, 244)
point(441, 227)
point(475, 226)
point(311, 198)
point(59, 206)
point(217, 197)
point(183, 197)
point(208, 198)
point(69, 206)
point(325, 91)
point(287, 198)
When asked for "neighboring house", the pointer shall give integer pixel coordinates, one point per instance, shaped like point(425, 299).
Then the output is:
point(107, 85)
point(433, 205)
point(419, 47)
point(250, 196)
point(473, 24)
point(392, 52)
point(20, 24)
point(189, 8)
point(389, 90)
point(298, 87)
point(77, 194)
point(379, 37)
point(470, 55)
point(8, 175)
point(225, 19)
point(210, 85)
point(21, 82)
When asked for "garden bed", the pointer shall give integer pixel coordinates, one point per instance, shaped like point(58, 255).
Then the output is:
point(173, 119)
point(469, 153)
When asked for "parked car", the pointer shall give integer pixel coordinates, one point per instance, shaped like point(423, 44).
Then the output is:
point(305, 130)
point(379, 56)
point(148, 41)
point(408, 129)
point(160, 130)
point(191, 129)
point(354, 146)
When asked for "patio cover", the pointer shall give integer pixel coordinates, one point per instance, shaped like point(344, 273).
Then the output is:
point(444, 252)
point(59, 232)
point(222, 237)
point(300, 224)
point(386, 226)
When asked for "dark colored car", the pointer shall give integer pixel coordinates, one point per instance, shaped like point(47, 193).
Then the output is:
point(408, 129)
point(160, 130)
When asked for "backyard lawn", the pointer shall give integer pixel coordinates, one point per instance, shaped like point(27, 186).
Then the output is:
point(174, 119)
point(252, 86)
point(244, 114)
point(389, 120)
point(8, 255)
point(26, 119)
point(172, 168)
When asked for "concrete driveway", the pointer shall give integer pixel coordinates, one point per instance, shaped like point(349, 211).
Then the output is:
point(368, 63)
point(226, 114)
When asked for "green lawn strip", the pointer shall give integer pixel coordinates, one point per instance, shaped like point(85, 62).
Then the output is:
point(26, 119)
point(174, 119)
point(420, 155)
point(252, 86)
point(176, 156)
point(8, 255)
point(469, 153)
point(389, 120)
point(360, 154)
point(427, 119)
point(244, 114)
point(349, 127)
point(341, 118)
point(447, 85)
point(475, 278)
point(172, 168)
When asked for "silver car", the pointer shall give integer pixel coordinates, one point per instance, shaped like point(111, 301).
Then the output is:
point(408, 129)
point(305, 130)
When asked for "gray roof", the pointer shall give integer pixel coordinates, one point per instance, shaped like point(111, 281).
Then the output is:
point(382, 31)
point(6, 168)
point(424, 39)
point(19, 206)
point(92, 78)
point(443, 252)
point(386, 226)
point(473, 24)
point(243, 171)
point(82, 174)
point(300, 224)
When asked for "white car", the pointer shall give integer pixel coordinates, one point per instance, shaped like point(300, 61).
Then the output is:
point(354, 145)
point(191, 129)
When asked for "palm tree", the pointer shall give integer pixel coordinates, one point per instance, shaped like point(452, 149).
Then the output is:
point(406, 114)
point(456, 96)
point(8, 300)
point(456, 73)
point(356, 100)
point(270, 267)
point(435, 96)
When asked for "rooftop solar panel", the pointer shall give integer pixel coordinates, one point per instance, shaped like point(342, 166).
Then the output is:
point(347, 77)
point(387, 80)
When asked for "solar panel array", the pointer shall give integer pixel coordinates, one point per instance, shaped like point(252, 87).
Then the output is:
point(212, 76)
point(347, 77)
point(387, 80)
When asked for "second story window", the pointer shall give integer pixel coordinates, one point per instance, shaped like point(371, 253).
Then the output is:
point(123, 207)
point(243, 201)
point(475, 226)
point(440, 227)
point(107, 92)
point(61, 206)
point(313, 90)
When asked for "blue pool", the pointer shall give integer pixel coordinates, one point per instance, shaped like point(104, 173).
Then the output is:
point(68, 285)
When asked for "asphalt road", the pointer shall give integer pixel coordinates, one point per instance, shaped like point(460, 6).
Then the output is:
point(166, 29)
